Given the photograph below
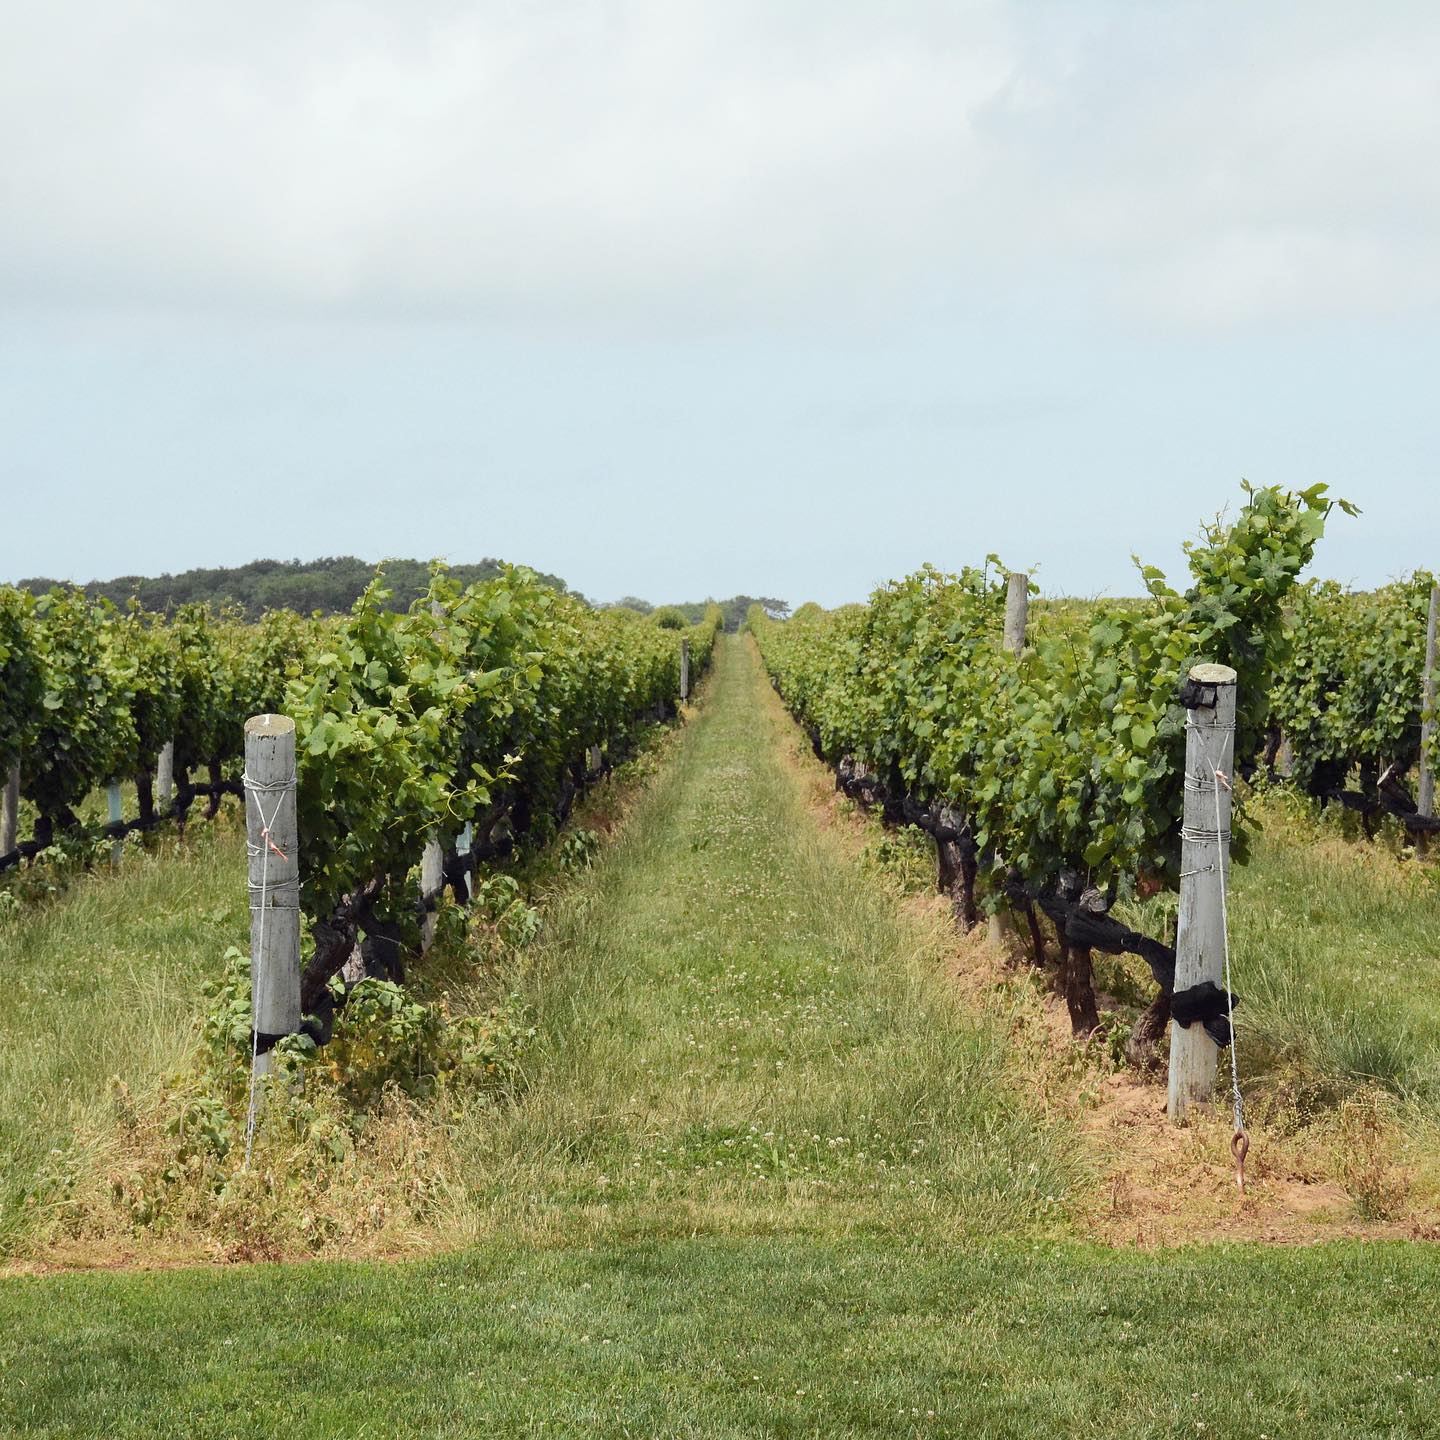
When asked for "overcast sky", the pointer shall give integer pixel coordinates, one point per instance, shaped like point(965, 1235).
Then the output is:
point(677, 297)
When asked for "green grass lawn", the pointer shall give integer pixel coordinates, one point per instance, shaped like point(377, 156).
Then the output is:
point(765, 1176)
point(714, 1338)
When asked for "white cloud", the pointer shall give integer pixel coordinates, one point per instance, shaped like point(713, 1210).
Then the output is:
point(1205, 165)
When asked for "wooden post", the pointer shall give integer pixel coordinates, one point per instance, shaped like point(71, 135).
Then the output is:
point(1426, 804)
point(685, 669)
point(165, 778)
point(1017, 607)
point(10, 811)
point(1285, 758)
point(432, 882)
point(1204, 869)
point(273, 848)
point(116, 806)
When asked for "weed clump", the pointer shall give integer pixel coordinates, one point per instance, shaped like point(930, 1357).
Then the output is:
point(351, 1142)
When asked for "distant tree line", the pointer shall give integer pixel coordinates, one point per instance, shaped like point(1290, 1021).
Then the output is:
point(331, 584)
point(691, 612)
point(734, 609)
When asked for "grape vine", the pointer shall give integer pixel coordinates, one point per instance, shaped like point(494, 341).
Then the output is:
point(1055, 775)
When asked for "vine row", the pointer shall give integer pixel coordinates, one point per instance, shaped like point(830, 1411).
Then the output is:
point(481, 709)
point(1051, 779)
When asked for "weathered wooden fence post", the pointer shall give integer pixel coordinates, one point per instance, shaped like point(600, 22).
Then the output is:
point(10, 811)
point(1204, 871)
point(1285, 758)
point(116, 805)
point(432, 882)
point(1017, 609)
point(1426, 799)
point(165, 778)
point(272, 846)
point(684, 669)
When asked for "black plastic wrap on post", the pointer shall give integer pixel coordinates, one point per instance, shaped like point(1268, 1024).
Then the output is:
point(1208, 1004)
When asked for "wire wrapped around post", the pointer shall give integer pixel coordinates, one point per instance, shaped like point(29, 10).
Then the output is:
point(271, 845)
point(1200, 943)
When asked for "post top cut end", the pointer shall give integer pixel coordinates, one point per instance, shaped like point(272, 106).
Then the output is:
point(1212, 674)
point(269, 725)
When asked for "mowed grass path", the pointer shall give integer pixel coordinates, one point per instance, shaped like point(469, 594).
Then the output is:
point(739, 1033)
point(764, 1180)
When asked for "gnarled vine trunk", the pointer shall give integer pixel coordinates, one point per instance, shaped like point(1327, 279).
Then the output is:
point(145, 795)
point(957, 873)
point(213, 808)
point(1142, 1050)
point(1037, 936)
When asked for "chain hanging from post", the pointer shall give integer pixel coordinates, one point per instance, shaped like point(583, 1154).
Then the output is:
point(1239, 1137)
